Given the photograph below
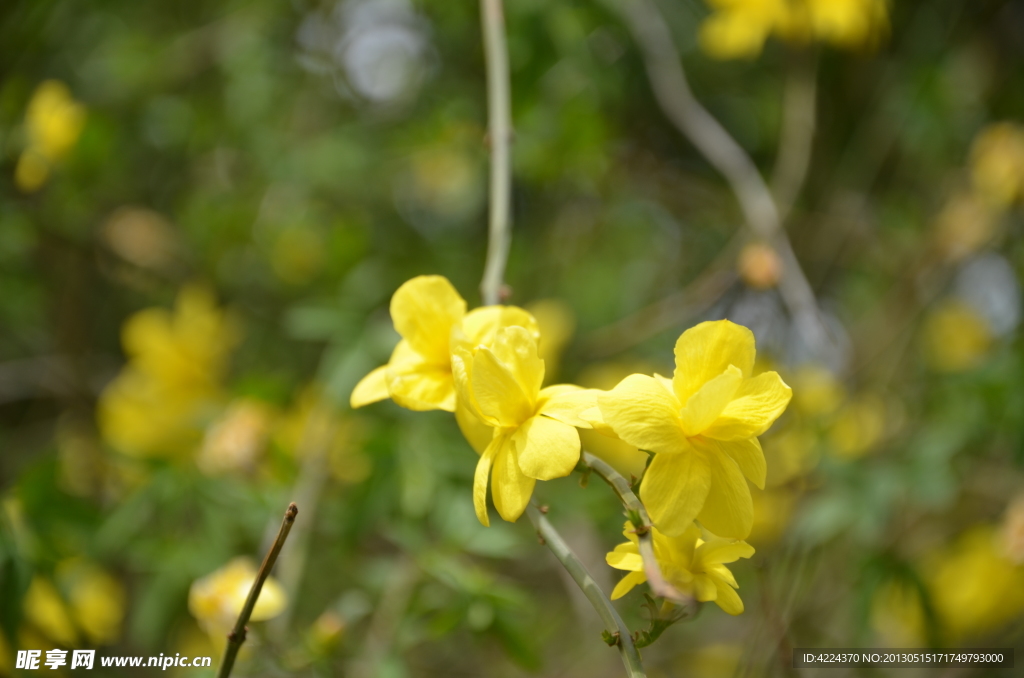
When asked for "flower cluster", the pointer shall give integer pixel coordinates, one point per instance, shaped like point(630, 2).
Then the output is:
point(700, 427)
point(53, 123)
point(739, 28)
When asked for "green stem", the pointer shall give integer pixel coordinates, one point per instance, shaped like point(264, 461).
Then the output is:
point(644, 529)
point(237, 635)
point(612, 621)
point(499, 132)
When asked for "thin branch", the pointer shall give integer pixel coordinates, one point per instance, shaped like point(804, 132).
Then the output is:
point(645, 536)
point(613, 623)
point(799, 113)
point(672, 91)
point(237, 635)
point(499, 132)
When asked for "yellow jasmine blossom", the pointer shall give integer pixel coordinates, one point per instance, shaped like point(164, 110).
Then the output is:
point(426, 311)
point(739, 28)
point(157, 405)
point(702, 427)
point(533, 429)
point(96, 600)
point(234, 442)
point(216, 599)
point(53, 123)
point(557, 322)
point(694, 563)
point(997, 163)
point(860, 425)
point(956, 337)
point(46, 611)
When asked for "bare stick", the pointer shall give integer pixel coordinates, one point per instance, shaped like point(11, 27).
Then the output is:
point(237, 635)
point(672, 90)
point(799, 112)
point(613, 623)
point(499, 132)
point(638, 512)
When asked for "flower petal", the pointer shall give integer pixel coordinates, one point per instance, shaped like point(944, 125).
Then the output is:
point(422, 387)
point(704, 588)
point(643, 414)
point(371, 389)
point(728, 510)
point(481, 325)
point(546, 448)
point(499, 397)
point(510, 488)
point(747, 454)
point(728, 599)
point(705, 406)
point(517, 349)
point(476, 431)
point(718, 551)
point(424, 310)
point(758, 403)
point(674, 489)
point(705, 351)
point(483, 470)
point(566, 403)
point(625, 557)
point(627, 583)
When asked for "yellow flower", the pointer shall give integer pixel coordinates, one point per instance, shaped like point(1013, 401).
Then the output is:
point(693, 562)
point(216, 599)
point(997, 163)
point(157, 404)
point(96, 600)
point(974, 587)
point(966, 224)
point(234, 443)
point(53, 123)
point(702, 427)
point(45, 610)
point(860, 426)
point(956, 337)
point(1013, 531)
point(426, 311)
point(315, 424)
point(739, 28)
point(533, 429)
point(557, 323)
point(817, 390)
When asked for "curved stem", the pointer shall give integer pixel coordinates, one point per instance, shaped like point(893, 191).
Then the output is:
point(644, 530)
point(499, 132)
point(672, 91)
point(237, 635)
point(612, 621)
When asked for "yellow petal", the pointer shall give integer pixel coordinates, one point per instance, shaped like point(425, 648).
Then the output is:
point(705, 351)
point(424, 310)
point(720, 551)
point(517, 349)
point(510, 488)
point(480, 476)
point(643, 414)
point(758, 403)
point(727, 599)
point(422, 387)
point(546, 448)
point(595, 419)
point(625, 557)
point(499, 397)
point(476, 431)
point(707, 404)
point(704, 588)
point(566, 403)
point(481, 325)
point(371, 389)
point(728, 510)
point(747, 454)
point(627, 583)
point(674, 489)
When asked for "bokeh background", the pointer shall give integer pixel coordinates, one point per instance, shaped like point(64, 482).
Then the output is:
point(205, 207)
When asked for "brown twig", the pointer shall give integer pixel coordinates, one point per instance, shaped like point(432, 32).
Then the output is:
point(237, 635)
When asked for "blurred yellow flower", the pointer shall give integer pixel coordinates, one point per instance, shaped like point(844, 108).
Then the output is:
point(816, 390)
point(897, 614)
point(325, 633)
point(773, 509)
point(759, 266)
point(997, 163)
point(790, 454)
point(956, 338)
point(965, 225)
point(216, 599)
point(859, 426)
point(315, 424)
point(533, 429)
point(46, 611)
point(234, 442)
point(703, 427)
point(693, 562)
point(739, 28)
point(426, 312)
point(556, 322)
point(96, 600)
point(141, 237)
point(1013, 531)
point(53, 123)
point(974, 587)
point(297, 255)
point(158, 404)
